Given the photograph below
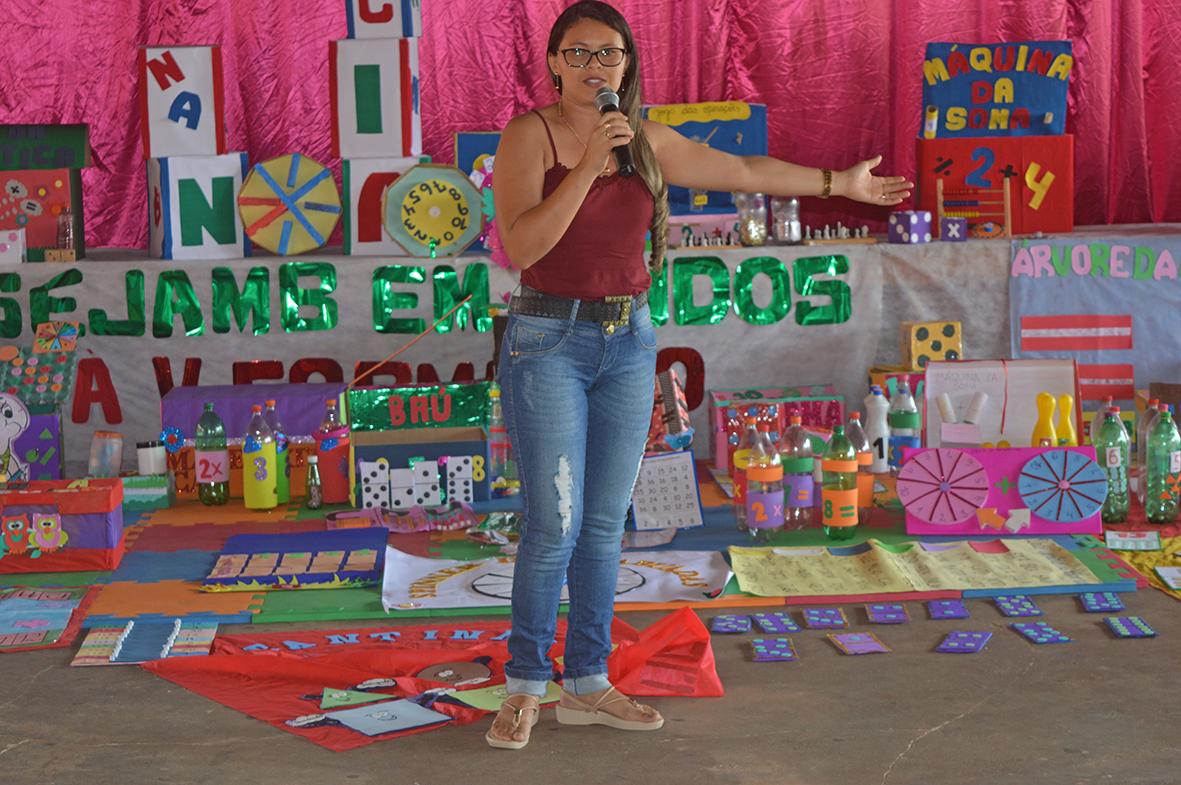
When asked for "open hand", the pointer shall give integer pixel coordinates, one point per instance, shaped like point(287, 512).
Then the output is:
point(861, 185)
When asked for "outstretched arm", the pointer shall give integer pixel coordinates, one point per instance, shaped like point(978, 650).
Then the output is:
point(692, 165)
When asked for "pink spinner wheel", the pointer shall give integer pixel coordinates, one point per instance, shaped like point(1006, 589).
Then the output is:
point(943, 487)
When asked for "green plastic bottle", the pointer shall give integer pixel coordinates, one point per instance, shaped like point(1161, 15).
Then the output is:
point(212, 460)
point(1111, 445)
point(838, 490)
point(1164, 465)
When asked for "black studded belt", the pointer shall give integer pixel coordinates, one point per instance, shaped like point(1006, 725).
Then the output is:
point(611, 312)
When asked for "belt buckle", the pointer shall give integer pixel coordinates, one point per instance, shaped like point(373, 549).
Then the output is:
point(625, 313)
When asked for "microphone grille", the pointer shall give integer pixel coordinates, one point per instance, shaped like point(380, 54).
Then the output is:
point(606, 97)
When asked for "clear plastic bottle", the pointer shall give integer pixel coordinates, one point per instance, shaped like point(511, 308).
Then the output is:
point(283, 469)
point(313, 490)
point(877, 429)
point(1111, 447)
point(764, 488)
point(332, 448)
point(838, 494)
point(904, 422)
point(795, 454)
point(1164, 462)
point(860, 441)
point(750, 437)
point(212, 460)
point(259, 471)
point(1143, 435)
point(502, 470)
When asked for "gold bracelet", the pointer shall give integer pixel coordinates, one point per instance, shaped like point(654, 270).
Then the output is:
point(827, 192)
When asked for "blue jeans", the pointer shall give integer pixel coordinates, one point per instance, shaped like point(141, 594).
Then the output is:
point(577, 403)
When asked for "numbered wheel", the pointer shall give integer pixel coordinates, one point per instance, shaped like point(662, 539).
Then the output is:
point(1062, 486)
point(943, 486)
point(433, 210)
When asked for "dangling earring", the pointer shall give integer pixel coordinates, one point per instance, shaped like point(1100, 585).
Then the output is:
point(557, 80)
point(622, 88)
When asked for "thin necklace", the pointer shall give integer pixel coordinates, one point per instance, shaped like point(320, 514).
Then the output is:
point(561, 116)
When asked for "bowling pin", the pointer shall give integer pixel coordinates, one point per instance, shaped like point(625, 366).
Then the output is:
point(1044, 427)
point(1067, 436)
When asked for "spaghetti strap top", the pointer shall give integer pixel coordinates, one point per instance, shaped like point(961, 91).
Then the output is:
point(602, 252)
point(549, 135)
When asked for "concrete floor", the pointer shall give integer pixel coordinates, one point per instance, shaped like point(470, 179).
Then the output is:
point(1094, 711)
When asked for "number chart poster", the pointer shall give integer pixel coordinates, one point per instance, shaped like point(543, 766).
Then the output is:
point(1109, 303)
point(1006, 89)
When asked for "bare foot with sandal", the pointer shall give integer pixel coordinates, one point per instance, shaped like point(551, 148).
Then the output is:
point(514, 722)
point(608, 707)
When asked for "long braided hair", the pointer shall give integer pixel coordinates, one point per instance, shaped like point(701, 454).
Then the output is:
point(631, 102)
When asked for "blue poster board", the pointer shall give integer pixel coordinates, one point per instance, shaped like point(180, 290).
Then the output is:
point(475, 152)
point(1000, 89)
point(731, 126)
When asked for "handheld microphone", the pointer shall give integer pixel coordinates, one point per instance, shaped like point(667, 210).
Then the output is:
point(607, 100)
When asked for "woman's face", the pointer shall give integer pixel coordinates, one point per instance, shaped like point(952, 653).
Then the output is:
point(587, 36)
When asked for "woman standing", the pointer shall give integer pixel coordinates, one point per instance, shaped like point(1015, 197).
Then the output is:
point(579, 355)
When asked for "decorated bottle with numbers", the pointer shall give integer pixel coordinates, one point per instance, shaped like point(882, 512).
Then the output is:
point(283, 470)
point(795, 454)
point(211, 460)
point(904, 422)
point(1164, 470)
point(332, 448)
point(259, 464)
point(838, 492)
point(877, 429)
point(764, 488)
point(1111, 447)
point(750, 437)
point(860, 441)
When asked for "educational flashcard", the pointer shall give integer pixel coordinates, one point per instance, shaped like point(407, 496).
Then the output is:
point(1017, 605)
point(773, 650)
point(666, 495)
point(825, 619)
point(1129, 627)
point(887, 613)
point(858, 643)
point(1040, 632)
point(1132, 541)
point(728, 624)
point(775, 622)
point(958, 642)
point(1101, 602)
point(389, 717)
point(947, 609)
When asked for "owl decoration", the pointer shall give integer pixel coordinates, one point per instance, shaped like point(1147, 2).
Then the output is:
point(47, 533)
point(16, 534)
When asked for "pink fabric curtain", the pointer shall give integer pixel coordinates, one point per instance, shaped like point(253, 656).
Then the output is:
point(841, 79)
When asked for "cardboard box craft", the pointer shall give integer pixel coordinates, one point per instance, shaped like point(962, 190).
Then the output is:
point(300, 406)
point(401, 448)
point(923, 342)
point(61, 525)
point(817, 404)
point(1008, 415)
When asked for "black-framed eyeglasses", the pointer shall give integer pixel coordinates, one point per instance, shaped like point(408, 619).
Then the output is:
point(580, 58)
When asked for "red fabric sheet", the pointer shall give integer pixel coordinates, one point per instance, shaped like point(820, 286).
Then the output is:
point(842, 80)
point(268, 675)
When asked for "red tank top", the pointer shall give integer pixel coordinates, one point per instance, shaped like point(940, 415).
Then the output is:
point(602, 252)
